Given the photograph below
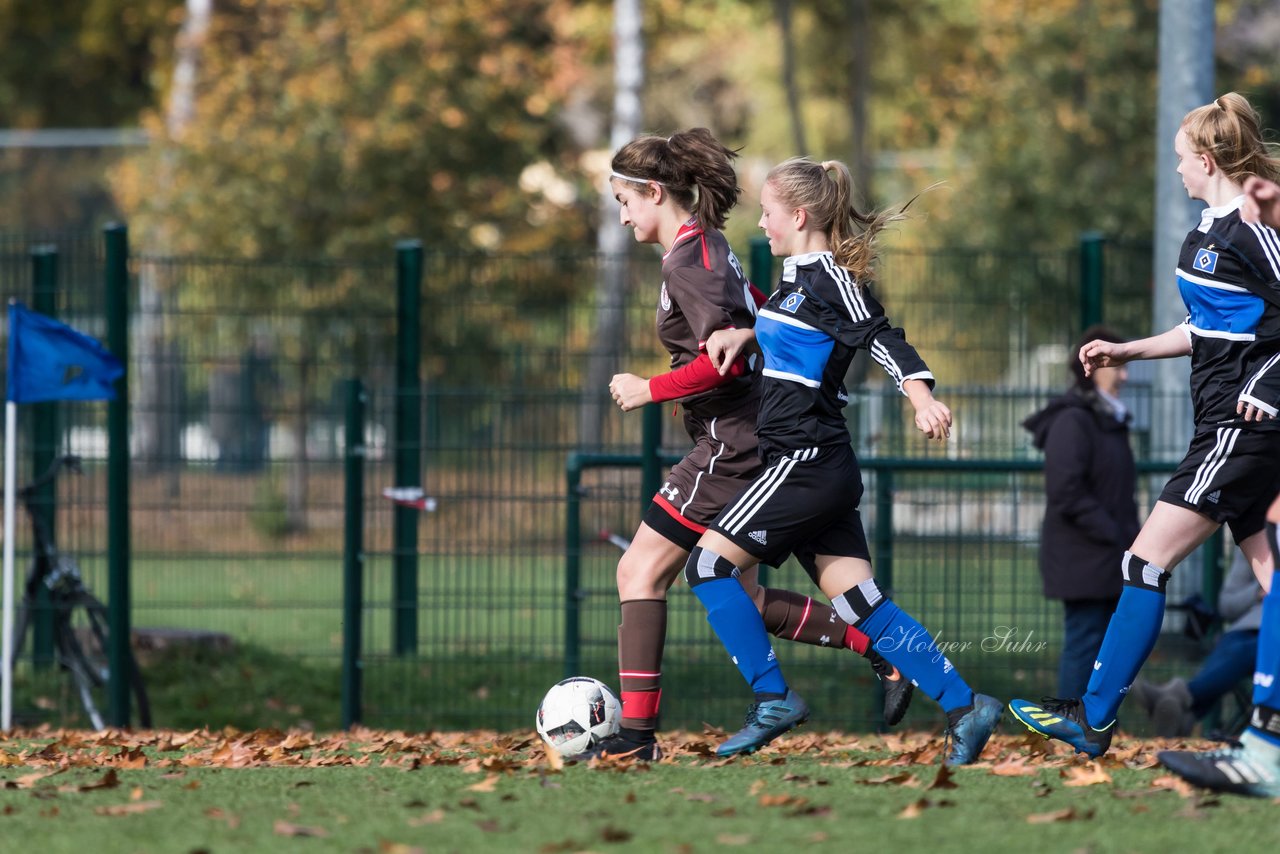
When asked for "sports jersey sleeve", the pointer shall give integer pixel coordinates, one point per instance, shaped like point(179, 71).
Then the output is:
point(701, 296)
point(861, 322)
point(1257, 247)
point(1262, 391)
point(694, 378)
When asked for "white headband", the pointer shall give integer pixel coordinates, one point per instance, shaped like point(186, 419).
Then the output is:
point(622, 177)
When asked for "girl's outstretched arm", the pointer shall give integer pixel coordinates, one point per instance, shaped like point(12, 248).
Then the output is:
point(933, 418)
point(1109, 354)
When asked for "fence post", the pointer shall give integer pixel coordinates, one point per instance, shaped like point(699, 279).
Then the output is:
point(884, 528)
point(572, 565)
point(408, 447)
point(116, 277)
point(650, 454)
point(761, 265)
point(353, 553)
point(1091, 278)
point(1211, 574)
point(44, 446)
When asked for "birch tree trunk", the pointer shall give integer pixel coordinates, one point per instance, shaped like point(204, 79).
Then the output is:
point(157, 402)
point(612, 241)
point(859, 94)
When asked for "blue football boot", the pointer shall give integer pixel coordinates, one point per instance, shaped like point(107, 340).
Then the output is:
point(1065, 721)
point(969, 729)
point(765, 722)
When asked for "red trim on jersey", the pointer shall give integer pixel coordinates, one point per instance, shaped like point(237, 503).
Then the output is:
point(689, 229)
point(675, 514)
point(706, 254)
point(758, 295)
point(808, 609)
point(696, 377)
point(641, 704)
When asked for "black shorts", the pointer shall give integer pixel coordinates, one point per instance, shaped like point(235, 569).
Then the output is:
point(1229, 475)
point(724, 459)
point(805, 503)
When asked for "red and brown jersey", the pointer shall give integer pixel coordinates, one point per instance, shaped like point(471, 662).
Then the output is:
point(704, 289)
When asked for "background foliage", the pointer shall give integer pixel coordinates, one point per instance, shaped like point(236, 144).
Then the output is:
point(335, 126)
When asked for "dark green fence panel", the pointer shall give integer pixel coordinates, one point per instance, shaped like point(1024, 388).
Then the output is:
point(237, 477)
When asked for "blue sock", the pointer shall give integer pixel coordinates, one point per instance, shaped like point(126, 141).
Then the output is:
point(1131, 635)
point(1266, 688)
point(904, 643)
point(740, 628)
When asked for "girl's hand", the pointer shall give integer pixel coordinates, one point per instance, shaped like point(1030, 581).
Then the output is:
point(1251, 412)
point(629, 391)
point(933, 418)
point(1261, 202)
point(1102, 354)
point(725, 345)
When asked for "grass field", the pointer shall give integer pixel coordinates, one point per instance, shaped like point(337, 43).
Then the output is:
point(390, 792)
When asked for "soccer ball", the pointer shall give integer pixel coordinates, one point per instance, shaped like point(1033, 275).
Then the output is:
point(576, 713)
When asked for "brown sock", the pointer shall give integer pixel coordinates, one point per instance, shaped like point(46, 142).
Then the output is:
point(800, 618)
point(641, 637)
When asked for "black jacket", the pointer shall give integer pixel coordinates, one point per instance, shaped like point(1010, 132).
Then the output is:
point(1090, 517)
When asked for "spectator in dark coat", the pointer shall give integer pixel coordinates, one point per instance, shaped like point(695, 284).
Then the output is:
point(1090, 516)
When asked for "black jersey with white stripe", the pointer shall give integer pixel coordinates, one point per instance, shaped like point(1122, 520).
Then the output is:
point(704, 289)
point(1229, 278)
point(809, 331)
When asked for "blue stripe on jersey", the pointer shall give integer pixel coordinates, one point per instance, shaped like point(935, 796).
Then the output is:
point(1228, 313)
point(793, 351)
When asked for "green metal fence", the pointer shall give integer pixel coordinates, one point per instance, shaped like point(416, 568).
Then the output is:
point(240, 382)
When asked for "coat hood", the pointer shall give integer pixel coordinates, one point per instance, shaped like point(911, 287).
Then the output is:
point(1076, 397)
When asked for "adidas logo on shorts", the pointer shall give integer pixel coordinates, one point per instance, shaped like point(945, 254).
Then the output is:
point(759, 536)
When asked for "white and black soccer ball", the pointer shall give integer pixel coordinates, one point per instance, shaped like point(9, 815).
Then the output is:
point(576, 713)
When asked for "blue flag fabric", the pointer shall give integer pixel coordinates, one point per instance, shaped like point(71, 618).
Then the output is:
point(49, 360)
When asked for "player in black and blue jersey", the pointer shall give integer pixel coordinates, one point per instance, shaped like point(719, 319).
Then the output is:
point(1229, 277)
point(677, 192)
point(805, 502)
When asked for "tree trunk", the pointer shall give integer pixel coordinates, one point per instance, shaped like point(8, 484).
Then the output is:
point(612, 241)
point(295, 489)
point(157, 402)
point(782, 10)
point(859, 93)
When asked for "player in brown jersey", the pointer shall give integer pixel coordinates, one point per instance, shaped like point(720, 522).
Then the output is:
point(677, 192)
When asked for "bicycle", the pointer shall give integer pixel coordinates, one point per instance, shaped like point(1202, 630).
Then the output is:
point(81, 632)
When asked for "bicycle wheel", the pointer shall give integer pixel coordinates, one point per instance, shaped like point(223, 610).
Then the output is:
point(84, 641)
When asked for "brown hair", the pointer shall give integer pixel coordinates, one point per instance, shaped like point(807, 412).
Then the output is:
point(825, 191)
point(1230, 131)
point(693, 167)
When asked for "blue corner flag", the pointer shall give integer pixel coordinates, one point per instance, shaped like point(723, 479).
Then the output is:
point(49, 360)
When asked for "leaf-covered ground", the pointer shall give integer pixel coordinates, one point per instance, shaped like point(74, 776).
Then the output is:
point(382, 791)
